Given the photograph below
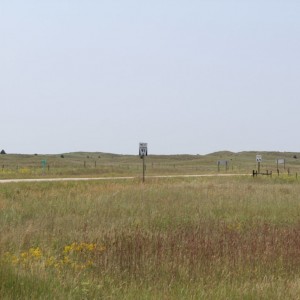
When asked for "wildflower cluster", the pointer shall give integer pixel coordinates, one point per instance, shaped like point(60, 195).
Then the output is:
point(81, 255)
point(76, 256)
point(26, 258)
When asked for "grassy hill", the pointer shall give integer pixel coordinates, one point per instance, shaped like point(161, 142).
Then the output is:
point(109, 164)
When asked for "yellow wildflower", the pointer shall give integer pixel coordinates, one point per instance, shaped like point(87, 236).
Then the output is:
point(35, 252)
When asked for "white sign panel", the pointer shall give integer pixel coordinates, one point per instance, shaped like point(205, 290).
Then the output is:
point(222, 162)
point(143, 150)
point(258, 158)
point(280, 161)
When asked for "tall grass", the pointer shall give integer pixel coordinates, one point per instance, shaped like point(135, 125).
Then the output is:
point(209, 238)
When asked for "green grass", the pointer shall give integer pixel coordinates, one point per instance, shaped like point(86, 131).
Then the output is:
point(197, 238)
point(14, 285)
point(84, 164)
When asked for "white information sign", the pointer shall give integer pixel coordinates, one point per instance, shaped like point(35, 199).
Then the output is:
point(143, 150)
point(258, 158)
point(280, 161)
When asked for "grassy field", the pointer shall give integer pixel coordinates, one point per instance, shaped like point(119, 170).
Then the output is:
point(83, 164)
point(197, 238)
point(210, 238)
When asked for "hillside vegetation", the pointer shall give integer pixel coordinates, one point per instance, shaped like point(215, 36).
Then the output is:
point(105, 164)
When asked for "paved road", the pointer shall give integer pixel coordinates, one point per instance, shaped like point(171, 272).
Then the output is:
point(115, 178)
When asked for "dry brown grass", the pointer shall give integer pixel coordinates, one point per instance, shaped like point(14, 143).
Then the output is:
point(210, 238)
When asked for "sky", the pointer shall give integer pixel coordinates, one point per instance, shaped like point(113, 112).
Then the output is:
point(190, 77)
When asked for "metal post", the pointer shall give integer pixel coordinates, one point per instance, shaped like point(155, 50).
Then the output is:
point(144, 168)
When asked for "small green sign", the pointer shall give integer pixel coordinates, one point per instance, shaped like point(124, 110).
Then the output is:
point(44, 163)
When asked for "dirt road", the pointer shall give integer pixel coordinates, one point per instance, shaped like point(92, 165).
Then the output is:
point(115, 178)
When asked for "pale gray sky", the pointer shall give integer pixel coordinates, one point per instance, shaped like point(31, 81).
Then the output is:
point(184, 76)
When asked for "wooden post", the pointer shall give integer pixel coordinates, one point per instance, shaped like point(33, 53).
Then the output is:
point(144, 167)
point(258, 167)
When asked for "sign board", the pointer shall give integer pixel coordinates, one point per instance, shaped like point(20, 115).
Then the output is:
point(44, 163)
point(223, 162)
point(280, 161)
point(258, 158)
point(143, 150)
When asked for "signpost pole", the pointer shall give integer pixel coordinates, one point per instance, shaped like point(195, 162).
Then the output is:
point(143, 151)
point(44, 163)
point(144, 167)
point(258, 160)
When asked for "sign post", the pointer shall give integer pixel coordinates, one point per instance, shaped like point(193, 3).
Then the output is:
point(280, 161)
point(143, 151)
point(44, 163)
point(224, 163)
point(258, 160)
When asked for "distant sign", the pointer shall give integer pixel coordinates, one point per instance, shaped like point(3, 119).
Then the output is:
point(258, 158)
point(222, 162)
point(280, 161)
point(143, 149)
point(44, 163)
